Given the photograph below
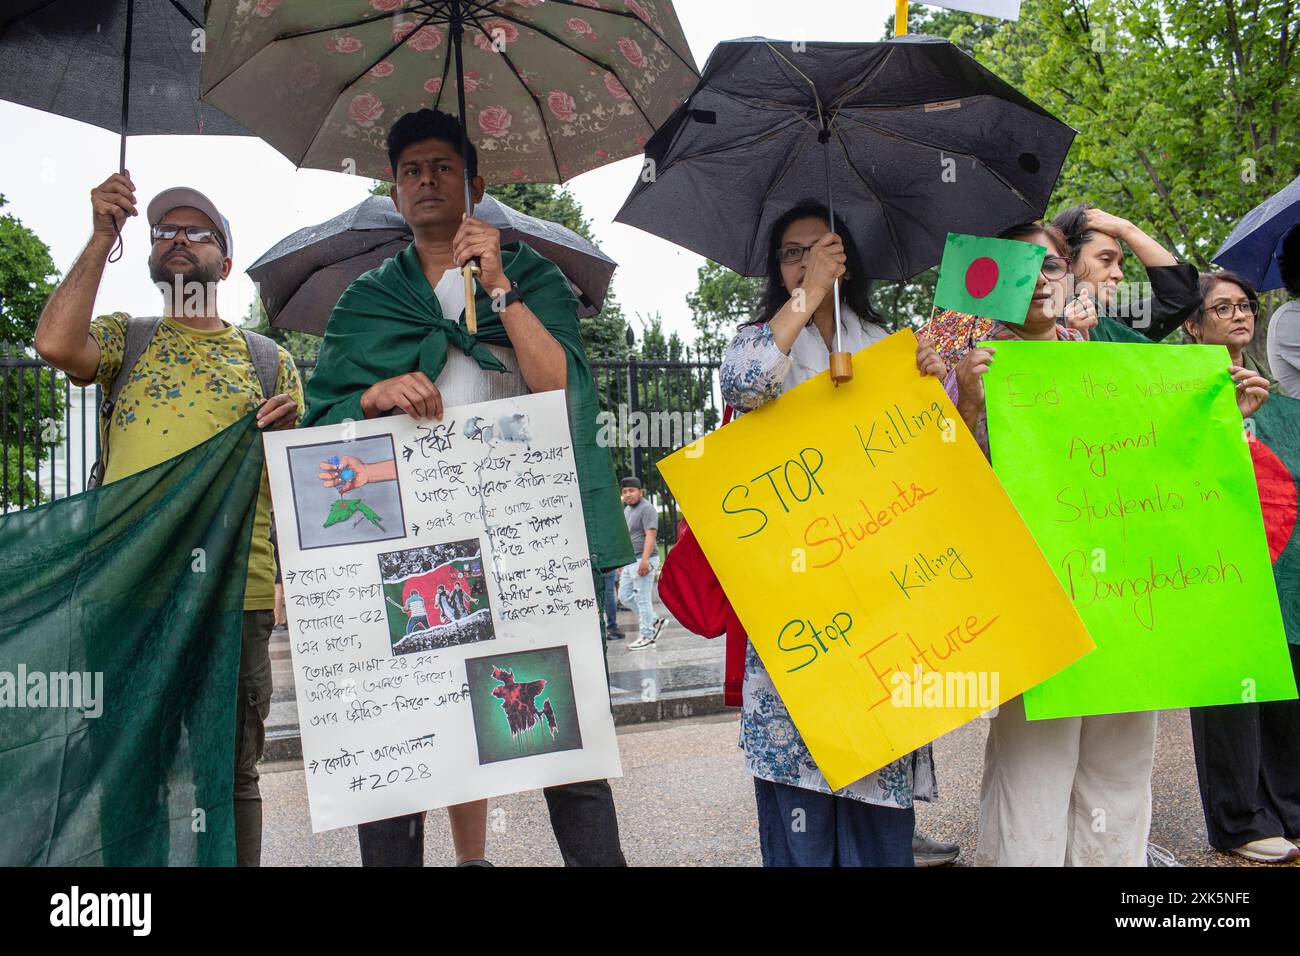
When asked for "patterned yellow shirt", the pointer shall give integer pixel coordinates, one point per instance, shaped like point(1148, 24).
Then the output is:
point(189, 385)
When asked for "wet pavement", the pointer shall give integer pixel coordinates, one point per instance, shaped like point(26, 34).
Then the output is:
point(685, 800)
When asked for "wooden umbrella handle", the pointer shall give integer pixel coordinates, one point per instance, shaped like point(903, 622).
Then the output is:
point(470, 271)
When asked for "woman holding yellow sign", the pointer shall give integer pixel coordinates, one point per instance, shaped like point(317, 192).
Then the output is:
point(801, 821)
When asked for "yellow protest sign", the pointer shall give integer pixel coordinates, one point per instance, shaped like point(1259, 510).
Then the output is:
point(883, 575)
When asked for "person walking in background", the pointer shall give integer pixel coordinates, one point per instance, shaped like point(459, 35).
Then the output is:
point(1284, 326)
point(637, 580)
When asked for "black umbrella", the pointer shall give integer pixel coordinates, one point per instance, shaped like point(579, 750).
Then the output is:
point(129, 66)
point(908, 138)
point(301, 277)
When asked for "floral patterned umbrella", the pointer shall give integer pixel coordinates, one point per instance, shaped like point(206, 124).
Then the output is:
point(550, 88)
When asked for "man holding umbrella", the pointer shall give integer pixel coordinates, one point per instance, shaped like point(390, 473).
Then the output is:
point(172, 383)
point(396, 342)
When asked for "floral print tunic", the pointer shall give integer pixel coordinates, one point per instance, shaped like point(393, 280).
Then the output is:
point(755, 371)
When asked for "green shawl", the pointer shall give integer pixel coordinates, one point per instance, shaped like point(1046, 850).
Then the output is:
point(388, 322)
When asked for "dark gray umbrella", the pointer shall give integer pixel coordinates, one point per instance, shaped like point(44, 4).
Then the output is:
point(125, 65)
point(1255, 246)
point(907, 139)
point(129, 66)
point(301, 277)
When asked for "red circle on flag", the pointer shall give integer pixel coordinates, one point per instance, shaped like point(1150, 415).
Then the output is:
point(1277, 497)
point(981, 277)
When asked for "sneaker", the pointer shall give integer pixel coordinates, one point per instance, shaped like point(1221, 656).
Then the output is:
point(613, 634)
point(1269, 850)
point(640, 642)
point(659, 627)
point(1159, 856)
point(927, 851)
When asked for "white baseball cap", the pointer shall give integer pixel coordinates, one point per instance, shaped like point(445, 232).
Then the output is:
point(177, 196)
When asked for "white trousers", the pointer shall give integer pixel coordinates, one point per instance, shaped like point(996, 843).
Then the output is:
point(1075, 791)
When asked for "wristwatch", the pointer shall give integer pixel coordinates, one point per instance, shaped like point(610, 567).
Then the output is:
point(511, 297)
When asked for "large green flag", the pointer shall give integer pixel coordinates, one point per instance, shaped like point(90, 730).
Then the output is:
point(1276, 455)
point(121, 614)
point(991, 278)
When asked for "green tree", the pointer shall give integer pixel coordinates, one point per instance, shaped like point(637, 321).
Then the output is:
point(722, 300)
point(301, 345)
point(32, 425)
point(1188, 113)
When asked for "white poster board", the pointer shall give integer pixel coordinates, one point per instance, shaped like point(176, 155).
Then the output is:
point(442, 611)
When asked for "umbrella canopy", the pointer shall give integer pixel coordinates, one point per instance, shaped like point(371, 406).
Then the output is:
point(552, 89)
point(906, 139)
point(1255, 245)
point(68, 57)
point(303, 275)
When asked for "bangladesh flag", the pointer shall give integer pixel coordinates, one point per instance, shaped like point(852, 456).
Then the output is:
point(990, 278)
point(1276, 454)
point(461, 582)
point(121, 615)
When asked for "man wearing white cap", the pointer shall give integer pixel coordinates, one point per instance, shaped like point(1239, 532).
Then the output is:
point(172, 382)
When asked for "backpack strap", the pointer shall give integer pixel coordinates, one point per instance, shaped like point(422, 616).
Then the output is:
point(266, 360)
point(140, 331)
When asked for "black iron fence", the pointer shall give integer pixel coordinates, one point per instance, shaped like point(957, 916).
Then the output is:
point(49, 436)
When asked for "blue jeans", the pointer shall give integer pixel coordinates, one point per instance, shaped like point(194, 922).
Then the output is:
point(610, 580)
point(798, 827)
point(635, 590)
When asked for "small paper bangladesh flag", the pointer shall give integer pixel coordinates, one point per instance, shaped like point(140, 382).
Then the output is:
point(990, 278)
point(1276, 455)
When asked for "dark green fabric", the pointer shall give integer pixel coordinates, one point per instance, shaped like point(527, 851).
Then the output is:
point(388, 322)
point(1277, 425)
point(1112, 330)
point(112, 581)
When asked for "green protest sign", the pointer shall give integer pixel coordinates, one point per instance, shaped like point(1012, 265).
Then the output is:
point(1128, 464)
point(991, 278)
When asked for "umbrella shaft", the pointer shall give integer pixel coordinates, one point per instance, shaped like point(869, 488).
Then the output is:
point(830, 210)
point(457, 34)
point(126, 85)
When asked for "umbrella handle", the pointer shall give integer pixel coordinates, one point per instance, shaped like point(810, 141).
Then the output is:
point(470, 271)
point(841, 362)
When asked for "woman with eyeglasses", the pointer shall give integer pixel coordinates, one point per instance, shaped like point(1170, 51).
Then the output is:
point(1248, 754)
point(1226, 314)
point(1073, 791)
point(870, 822)
point(1047, 782)
point(1094, 252)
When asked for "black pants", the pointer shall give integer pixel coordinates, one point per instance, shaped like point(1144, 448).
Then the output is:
point(1248, 767)
point(582, 819)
